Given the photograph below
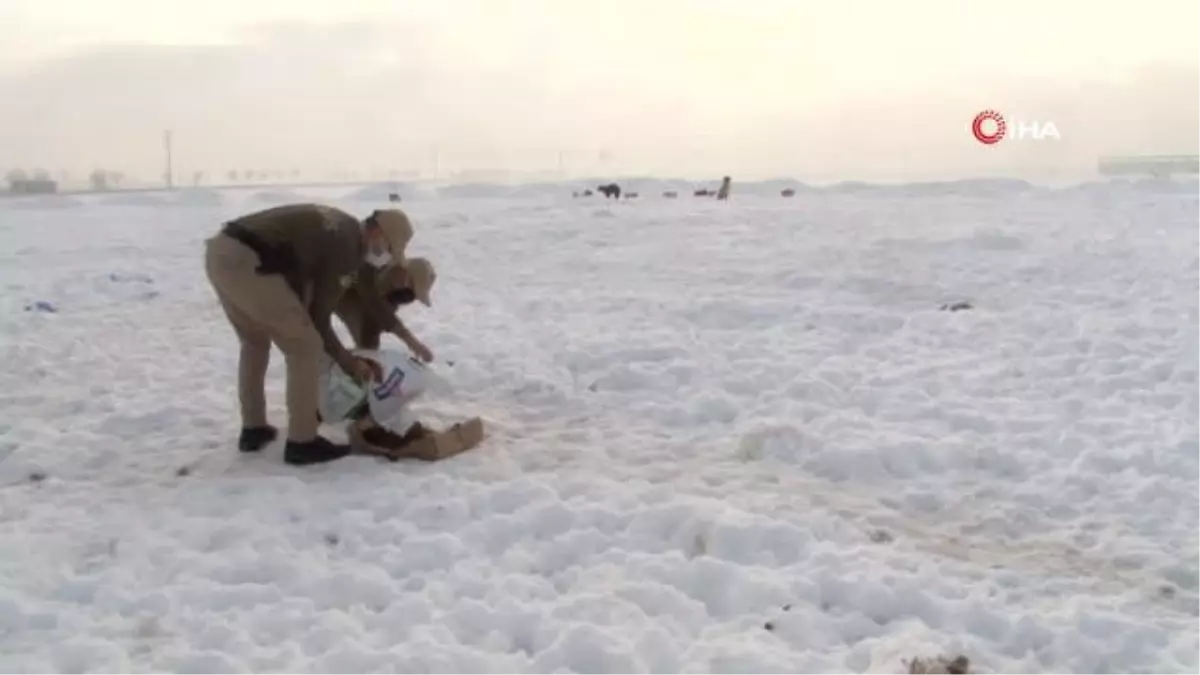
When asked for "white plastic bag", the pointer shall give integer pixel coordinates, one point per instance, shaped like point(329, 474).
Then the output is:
point(404, 379)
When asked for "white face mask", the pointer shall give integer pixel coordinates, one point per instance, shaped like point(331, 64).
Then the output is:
point(378, 259)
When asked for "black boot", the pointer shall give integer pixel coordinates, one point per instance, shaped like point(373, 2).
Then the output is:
point(316, 451)
point(253, 439)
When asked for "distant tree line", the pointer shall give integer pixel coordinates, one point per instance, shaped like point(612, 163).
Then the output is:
point(17, 176)
point(105, 179)
point(101, 179)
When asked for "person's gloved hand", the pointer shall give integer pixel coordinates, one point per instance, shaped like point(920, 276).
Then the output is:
point(421, 351)
point(366, 371)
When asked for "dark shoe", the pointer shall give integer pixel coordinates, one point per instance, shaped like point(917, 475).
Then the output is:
point(316, 451)
point(254, 439)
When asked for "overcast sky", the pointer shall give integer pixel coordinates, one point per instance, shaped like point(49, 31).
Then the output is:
point(869, 89)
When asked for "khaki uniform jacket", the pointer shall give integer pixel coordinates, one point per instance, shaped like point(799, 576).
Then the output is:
point(367, 320)
point(327, 250)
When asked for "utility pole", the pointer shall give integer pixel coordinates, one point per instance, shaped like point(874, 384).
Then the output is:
point(169, 175)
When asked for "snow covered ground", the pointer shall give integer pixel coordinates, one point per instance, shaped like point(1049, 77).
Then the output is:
point(724, 437)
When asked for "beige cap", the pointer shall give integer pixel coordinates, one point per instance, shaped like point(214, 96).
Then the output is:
point(421, 276)
point(397, 228)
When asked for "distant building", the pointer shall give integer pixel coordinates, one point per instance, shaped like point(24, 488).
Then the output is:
point(1158, 166)
point(33, 186)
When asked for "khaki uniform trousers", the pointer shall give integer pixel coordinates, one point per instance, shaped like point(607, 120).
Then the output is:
point(263, 309)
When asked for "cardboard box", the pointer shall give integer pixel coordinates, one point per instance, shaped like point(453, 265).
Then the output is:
point(421, 443)
point(446, 443)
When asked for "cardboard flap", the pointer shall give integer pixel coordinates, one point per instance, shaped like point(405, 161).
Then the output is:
point(426, 444)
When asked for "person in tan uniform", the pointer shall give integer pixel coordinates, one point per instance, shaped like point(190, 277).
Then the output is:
point(368, 313)
point(279, 274)
point(368, 316)
point(723, 191)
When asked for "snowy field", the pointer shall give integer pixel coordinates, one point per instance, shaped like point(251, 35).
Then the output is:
point(724, 437)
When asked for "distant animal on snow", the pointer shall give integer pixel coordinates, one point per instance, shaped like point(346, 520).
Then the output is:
point(631, 195)
point(703, 192)
point(788, 193)
point(393, 197)
point(670, 194)
point(956, 306)
point(612, 190)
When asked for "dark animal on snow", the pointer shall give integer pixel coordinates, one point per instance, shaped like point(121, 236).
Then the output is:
point(612, 190)
point(631, 195)
point(703, 192)
point(670, 194)
point(788, 193)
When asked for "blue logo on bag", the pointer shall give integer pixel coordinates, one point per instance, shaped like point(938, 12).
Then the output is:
point(389, 385)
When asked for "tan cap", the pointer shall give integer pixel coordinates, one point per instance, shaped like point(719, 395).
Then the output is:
point(421, 276)
point(397, 228)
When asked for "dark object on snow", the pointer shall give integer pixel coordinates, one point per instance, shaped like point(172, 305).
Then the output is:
point(769, 626)
point(612, 190)
point(723, 191)
point(670, 194)
point(788, 193)
point(41, 306)
point(139, 278)
point(959, 665)
point(588, 193)
point(703, 192)
point(184, 471)
point(332, 539)
point(37, 476)
point(631, 195)
point(881, 537)
point(394, 197)
point(956, 306)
